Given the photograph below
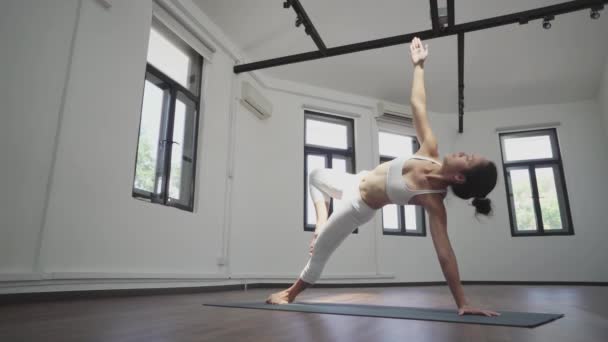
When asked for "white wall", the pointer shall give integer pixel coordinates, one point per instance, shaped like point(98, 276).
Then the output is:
point(488, 252)
point(94, 225)
point(95, 230)
point(603, 97)
point(35, 38)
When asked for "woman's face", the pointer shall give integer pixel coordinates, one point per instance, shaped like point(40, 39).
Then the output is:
point(461, 161)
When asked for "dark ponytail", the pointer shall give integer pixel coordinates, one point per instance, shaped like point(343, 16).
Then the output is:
point(482, 206)
point(479, 182)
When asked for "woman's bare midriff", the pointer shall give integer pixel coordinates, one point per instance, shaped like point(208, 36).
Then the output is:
point(373, 187)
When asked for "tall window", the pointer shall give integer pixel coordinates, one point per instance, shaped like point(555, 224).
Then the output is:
point(400, 219)
point(328, 143)
point(536, 190)
point(166, 150)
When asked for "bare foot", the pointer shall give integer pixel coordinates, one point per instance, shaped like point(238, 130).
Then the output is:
point(279, 298)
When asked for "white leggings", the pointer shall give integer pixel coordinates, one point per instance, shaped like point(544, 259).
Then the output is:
point(349, 213)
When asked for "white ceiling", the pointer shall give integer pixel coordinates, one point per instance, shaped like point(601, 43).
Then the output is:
point(514, 65)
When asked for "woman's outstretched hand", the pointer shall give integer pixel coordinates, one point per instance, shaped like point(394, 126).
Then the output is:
point(468, 310)
point(418, 52)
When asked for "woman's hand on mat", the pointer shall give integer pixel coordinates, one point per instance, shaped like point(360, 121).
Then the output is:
point(469, 310)
point(418, 52)
point(312, 243)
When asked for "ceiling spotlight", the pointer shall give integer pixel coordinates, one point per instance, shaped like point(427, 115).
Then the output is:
point(287, 4)
point(595, 11)
point(298, 21)
point(547, 22)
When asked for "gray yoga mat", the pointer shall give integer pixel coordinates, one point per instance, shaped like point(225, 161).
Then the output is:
point(507, 318)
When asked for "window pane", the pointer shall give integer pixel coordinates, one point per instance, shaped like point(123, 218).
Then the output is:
point(410, 218)
point(173, 57)
point(182, 154)
point(526, 148)
point(394, 145)
point(521, 197)
point(339, 163)
point(314, 162)
point(549, 201)
point(154, 104)
point(390, 217)
point(326, 134)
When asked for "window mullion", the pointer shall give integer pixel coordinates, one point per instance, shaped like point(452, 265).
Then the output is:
point(329, 164)
point(402, 219)
point(415, 148)
point(568, 214)
point(341, 152)
point(536, 198)
point(421, 220)
point(195, 147)
point(168, 144)
point(157, 194)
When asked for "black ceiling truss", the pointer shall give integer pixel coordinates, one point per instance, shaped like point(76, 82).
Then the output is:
point(442, 26)
point(451, 13)
point(302, 18)
point(460, 81)
point(435, 16)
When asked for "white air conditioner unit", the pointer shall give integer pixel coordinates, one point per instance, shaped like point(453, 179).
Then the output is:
point(394, 113)
point(255, 102)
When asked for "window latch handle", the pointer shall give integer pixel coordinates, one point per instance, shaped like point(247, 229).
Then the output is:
point(169, 142)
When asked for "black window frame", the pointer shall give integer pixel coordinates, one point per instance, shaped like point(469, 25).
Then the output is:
point(328, 152)
point(420, 212)
point(166, 141)
point(531, 165)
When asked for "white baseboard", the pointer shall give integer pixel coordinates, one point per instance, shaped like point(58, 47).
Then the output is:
point(83, 281)
point(138, 275)
point(361, 276)
point(173, 276)
point(24, 276)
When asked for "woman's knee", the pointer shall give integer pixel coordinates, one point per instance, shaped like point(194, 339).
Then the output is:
point(315, 176)
point(326, 181)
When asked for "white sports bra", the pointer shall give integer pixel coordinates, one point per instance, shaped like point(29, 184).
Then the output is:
point(396, 188)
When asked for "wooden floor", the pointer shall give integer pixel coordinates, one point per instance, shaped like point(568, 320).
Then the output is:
point(184, 318)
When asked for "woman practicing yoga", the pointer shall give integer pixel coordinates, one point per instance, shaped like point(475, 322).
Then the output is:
point(420, 179)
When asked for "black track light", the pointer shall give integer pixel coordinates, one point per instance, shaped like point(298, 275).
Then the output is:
point(595, 12)
point(547, 22)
